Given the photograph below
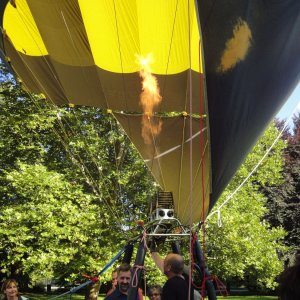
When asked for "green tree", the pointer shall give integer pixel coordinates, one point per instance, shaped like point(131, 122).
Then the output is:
point(71, 187)
point(73, 170)
point(245, 247)
point(284, 199)
point(48, 223)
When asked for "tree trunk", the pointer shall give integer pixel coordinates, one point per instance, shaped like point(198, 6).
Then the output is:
point(92, 291)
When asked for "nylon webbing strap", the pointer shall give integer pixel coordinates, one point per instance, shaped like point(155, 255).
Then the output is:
point(75, 289)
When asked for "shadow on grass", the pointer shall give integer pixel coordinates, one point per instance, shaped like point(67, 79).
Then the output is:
point(41, 296)
point(36, 296)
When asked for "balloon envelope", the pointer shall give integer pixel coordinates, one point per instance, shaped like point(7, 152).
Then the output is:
point(222, 68)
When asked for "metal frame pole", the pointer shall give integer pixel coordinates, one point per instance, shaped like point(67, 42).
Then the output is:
point(137, 271)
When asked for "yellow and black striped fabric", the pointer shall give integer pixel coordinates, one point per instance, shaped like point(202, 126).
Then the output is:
point(224, 68)
point(85, 53)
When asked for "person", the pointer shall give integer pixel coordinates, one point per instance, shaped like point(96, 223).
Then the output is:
point(114, 281)
point(10, 290)
point(155, 292)
point(176, 288)
point(195, 295)
point(124, 277)
point(289, 282)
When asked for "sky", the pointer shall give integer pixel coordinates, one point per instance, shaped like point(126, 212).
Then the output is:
point(291, 106)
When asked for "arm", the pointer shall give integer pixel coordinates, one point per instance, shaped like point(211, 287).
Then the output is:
point(158, 261)
point(140, 294)
point(186, 270)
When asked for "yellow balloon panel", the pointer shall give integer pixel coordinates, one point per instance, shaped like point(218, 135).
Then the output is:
point(20, 27)
point(116, 32)
point(120, 30)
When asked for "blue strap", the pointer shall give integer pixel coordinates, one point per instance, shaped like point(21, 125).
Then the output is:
point(75, 289)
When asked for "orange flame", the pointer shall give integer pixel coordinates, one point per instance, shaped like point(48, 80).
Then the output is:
point(149, 98)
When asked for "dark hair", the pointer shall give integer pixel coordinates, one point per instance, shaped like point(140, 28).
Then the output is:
point(289, 282)
point(124, 268)
point(155, 287)
point(176, 262)
point(6, 283)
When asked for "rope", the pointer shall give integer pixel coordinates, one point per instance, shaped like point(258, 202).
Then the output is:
point(144, 240)
point(84, 169)
point(156, 151)
point(220, 285)
point(75, 157)
point(169, 54)
point(117, 165)
point(135, 278)
point(191, 145)
point(37, 45)
point(181, 160)
point(79, 58)
point(120, 52)
point(202, 151)
point(218, 210)
point(78, 160)
point(193, 261)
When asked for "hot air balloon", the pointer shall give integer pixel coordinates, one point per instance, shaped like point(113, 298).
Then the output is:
point(218, 72)
point(223, 69)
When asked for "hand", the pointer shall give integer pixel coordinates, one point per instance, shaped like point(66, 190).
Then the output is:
point(152, 246)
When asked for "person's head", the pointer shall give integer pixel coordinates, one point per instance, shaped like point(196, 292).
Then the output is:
point(155, 292)
point(10, 289)
point(289, 282)
point(124, 277)
point(114, 278)
point(173, 265)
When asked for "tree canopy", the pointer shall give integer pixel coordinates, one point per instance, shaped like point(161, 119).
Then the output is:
point(284, 199)
point(245, 248)
point(72, 186)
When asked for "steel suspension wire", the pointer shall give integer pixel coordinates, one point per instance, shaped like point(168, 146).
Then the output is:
point(181, 160)
point(77, 158)
point(123, 78)
point(203, 187)
point(80, 161)
point(156, 151)
point(170, 47)
point(202, 149)
point(118, 172)
point(84, 76)
point(120, 52)
point(191, 149)
point(163, 90)
point(40, 50)
point(106, 181)
point(95, 161)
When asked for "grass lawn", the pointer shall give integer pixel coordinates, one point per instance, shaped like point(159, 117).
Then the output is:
point(101, 297)
point(35, 296)
point(249, 298)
